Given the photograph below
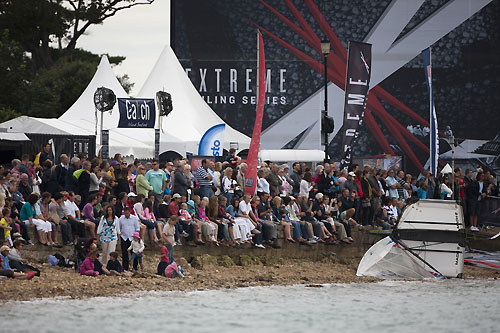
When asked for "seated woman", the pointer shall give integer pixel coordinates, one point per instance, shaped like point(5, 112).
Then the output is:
point(139, 212)
point(28, 216)
point(16, 261)
point(43, 211)
point(332, 208)
point(299, 228)
point(229, 220)
point(151, 222)
point(325, 211)
point(88, 214)
point(279, 216)
point(222, 226)
point(56, 214)
point(190, 223)
point(209, 229)
point(305, 208)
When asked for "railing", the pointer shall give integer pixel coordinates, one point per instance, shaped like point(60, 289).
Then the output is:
point(489, 211)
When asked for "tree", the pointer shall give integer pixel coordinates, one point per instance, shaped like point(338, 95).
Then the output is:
point(39, 25)
point(14, 72)
point(42, 71)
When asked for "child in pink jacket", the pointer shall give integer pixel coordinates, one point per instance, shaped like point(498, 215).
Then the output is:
point(87, 267)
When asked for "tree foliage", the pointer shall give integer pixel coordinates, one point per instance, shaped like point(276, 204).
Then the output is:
point(42, 70)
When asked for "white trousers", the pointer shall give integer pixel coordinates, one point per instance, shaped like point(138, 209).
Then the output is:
point(246, 227)
point(45, 226)
point(107, 248)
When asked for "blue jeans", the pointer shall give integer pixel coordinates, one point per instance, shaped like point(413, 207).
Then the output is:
point(297, 232)
point(206, 191)
point(170, 249)
point(257, 239)
point(228, 196)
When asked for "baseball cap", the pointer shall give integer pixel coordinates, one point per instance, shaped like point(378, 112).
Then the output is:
point(352, 174)
point(176, 196)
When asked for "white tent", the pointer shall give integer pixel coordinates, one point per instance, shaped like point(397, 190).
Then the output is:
point(191, 116)
point(118, 142)
point(136, 142)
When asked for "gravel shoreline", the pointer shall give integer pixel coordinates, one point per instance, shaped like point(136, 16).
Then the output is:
point(57, 281)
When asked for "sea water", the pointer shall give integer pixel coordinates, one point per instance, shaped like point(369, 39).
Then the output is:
point(436, 306)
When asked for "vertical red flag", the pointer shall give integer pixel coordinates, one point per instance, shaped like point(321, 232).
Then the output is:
point(253, 152)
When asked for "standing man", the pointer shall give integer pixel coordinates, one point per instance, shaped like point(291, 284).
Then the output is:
point(181, 182)
point(61, 171)
point(240, 177)
point(211, 172)
point(157, 178)
point(296, 176)
point(376, 194)
point(23, 168)
point(128, 225)
point(44, 153)
point(169, 168)
point(204, 180)
point(70, 182)
point(274, 180)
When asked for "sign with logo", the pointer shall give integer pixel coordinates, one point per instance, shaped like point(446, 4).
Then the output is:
point(356, 95)
point(212, 142)
point(136, 113)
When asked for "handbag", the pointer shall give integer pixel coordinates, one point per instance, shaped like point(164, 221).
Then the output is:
point(365, 203)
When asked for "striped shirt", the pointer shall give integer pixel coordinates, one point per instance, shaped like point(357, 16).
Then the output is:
point(201, 177)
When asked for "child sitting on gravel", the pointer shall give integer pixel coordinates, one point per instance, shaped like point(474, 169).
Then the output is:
point(175, 270)
point(114, 267)
point(87, 267)
point(137, 247)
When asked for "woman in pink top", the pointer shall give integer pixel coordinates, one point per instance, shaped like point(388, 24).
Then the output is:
point(208, 228)
point(150, 220)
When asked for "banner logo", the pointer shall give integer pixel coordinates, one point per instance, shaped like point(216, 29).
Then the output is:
point(212, 142)
point(136, 113)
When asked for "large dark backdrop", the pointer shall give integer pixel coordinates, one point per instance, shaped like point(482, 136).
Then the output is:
point(218, 34)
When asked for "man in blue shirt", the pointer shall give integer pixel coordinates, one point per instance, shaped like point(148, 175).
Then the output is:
point(157, 178)
point(392, 183)
point(128, 225)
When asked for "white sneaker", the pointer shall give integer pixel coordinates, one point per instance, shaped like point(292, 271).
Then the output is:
point(260, 246)
point(312, 241)
point(472, 228)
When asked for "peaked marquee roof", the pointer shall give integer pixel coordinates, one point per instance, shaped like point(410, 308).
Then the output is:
point(191, 116)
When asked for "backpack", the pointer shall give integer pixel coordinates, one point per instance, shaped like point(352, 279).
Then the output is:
point(221, 184)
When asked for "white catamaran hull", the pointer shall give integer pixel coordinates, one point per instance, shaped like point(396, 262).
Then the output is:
point(427, 242)
point(387, 260)
point(448, 258)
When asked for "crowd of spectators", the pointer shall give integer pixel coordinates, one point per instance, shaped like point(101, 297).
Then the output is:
point(117, 202)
